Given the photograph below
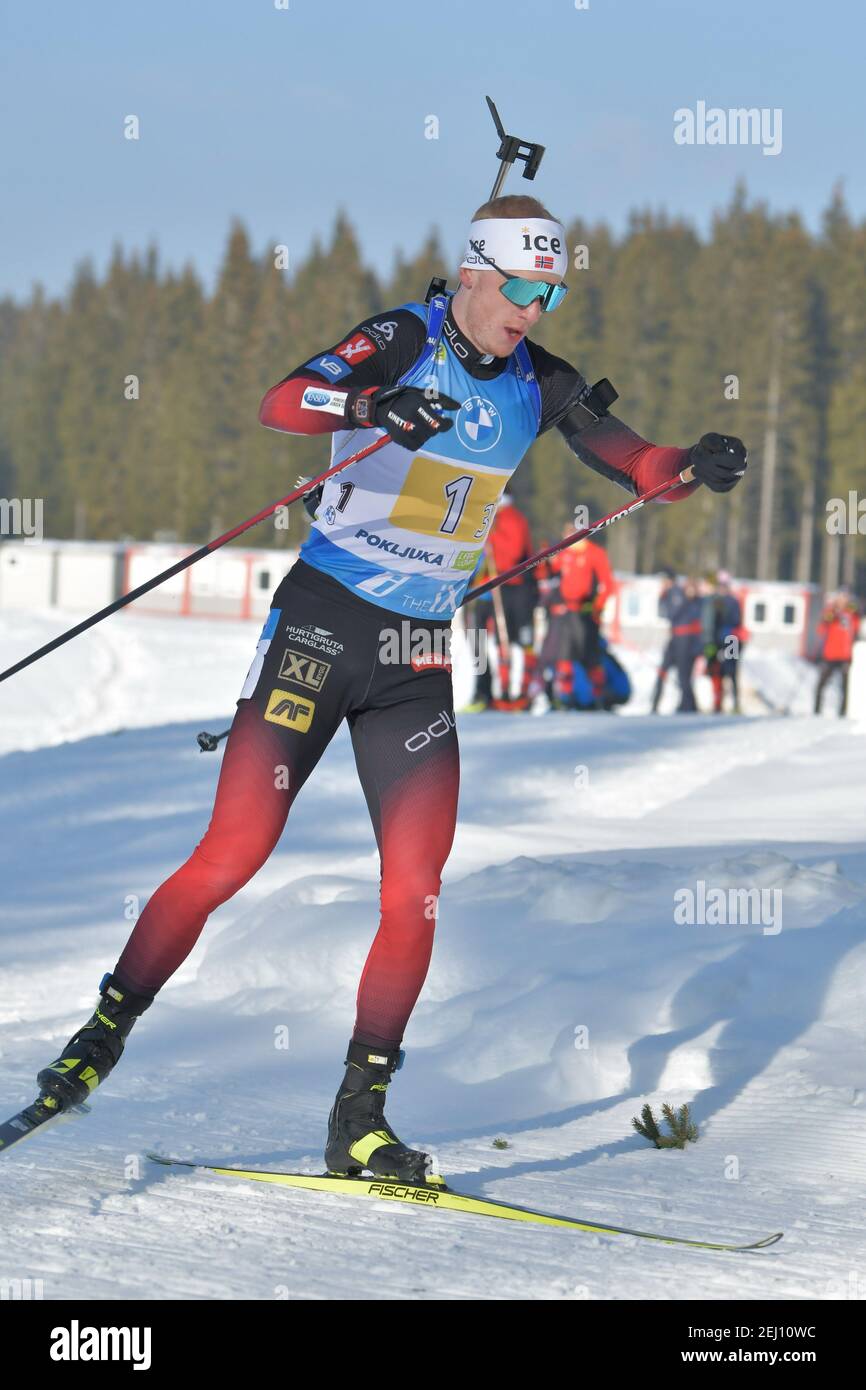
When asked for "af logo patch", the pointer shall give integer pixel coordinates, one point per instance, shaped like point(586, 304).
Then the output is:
point(292, 711)
point(300, 669)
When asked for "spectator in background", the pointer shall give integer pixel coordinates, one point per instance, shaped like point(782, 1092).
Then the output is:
point(735, 634)
point(687, 641)
point(837, 633)
point(506, 614)
point(723, 639)
point(511, 543)
point(575, 606)
point(671, 599)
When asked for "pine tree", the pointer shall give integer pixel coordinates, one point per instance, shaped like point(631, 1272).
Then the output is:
point(681, 1127)
point(759, 330)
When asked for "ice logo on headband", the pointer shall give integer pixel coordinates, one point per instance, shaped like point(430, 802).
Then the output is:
point(533, 244)
point(540, 242)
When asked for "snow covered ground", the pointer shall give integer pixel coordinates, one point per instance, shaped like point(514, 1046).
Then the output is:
point(563, 995)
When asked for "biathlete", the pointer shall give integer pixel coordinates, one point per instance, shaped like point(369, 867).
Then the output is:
point(462, 393)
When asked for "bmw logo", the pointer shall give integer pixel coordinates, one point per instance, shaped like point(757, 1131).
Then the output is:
point(479, 424)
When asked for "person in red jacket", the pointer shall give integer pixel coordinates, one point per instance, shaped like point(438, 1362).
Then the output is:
point(513, 605)
point(585, 575)
point(585, 583)
point(504, 617)
point(837, 633)
point(510, 543)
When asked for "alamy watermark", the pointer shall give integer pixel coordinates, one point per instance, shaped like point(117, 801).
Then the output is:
point(739, 125)
point(846, 517)
point(18, 1290)
point(425, 648)
point(77, 1343)
point(21, 516)
point(728, 907)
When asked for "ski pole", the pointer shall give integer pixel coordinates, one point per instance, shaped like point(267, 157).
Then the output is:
point(209, 743)
point(686, 476)
point(501, 629)
point(498, 610)
point(191, 559)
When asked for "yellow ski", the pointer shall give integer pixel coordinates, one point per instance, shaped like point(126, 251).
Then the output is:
point(436, 1194)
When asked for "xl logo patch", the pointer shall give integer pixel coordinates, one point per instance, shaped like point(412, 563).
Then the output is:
point(292, 711)
point(299, 669)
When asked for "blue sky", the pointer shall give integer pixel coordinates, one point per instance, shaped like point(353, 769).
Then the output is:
point(280, 116)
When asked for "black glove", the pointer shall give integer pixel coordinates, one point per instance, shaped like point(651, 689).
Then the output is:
point(719, 460)
point(312, 499)
point(410, 416)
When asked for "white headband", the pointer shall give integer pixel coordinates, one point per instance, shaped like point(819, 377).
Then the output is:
point(516, 244)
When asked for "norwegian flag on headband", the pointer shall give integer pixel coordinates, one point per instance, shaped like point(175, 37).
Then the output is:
point(544, 263)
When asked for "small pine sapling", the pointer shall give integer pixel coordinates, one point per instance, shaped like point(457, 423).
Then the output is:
point(683, 1129)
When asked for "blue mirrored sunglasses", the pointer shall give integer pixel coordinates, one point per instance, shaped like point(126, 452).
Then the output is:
point(523, 292)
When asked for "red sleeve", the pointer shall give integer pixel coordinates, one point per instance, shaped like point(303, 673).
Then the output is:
point(312, 399)
point(610, 448)
point(284, 407)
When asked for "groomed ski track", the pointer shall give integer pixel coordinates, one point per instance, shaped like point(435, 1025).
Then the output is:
point(557, 915)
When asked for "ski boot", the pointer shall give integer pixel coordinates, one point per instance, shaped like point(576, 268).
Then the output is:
point(91, 1053)
point(359, 1136)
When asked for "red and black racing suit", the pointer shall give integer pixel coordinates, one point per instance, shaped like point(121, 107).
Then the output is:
point(401, 719)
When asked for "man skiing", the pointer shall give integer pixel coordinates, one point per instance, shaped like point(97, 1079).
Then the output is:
point(462, 394)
